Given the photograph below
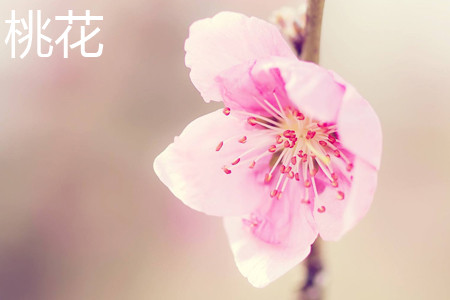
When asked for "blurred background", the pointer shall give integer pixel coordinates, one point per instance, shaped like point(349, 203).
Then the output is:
point(83, 216)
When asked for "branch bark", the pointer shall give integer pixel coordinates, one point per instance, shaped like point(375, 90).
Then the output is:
point(313, 287)
point(313, 26)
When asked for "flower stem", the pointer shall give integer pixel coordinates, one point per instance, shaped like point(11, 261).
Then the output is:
point(312, 288)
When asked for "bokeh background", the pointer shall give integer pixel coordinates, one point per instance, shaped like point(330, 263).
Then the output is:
point(83, 216)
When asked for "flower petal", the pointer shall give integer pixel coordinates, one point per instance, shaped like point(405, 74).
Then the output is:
point(342, 215)
point(313, 90)
point(225, 40)
point(359, 126)
point(192, 168)
point(270, 242)
point(247, 86)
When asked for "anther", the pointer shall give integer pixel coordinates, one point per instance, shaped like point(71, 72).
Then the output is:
point(279, 139)
point(297, 176)
point(268, 177)
point(226, 111)
point(243, 139)
point(272, 148)
point(282, 169)
point(310, 134)
point(337, 153)
point(307, 183)
point(349, 167)
point(252, 165)
point(340, 195)
point(322, 143)
point(251, 121)
point(273, 193)
point(236, 161)
point(334, 176)
point(226, 170)
point(291, 175)
point(279, 195)
point(331, 138)
point(219, 146)
point(294, 160)
point(321, 209)
point(287, 134)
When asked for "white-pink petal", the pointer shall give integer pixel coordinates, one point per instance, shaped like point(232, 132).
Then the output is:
point(263, 255)
point(342, 214)
point(313, 90)
point(226, 40)
point(246, 87)
point(359, 126)
point(192, 168)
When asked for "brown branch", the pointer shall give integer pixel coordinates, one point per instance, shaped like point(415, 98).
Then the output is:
point(311, 44)
point(312, 288)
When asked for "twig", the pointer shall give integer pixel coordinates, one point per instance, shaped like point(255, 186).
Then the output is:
point(312, 288)
point(311, 44)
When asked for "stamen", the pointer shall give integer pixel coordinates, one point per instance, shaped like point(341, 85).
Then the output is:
point(258, 117)
point(294, 160)
point(236, 161)
point(268, 109)
point(219, 146)
point(301, 146)
point(331, 139)
point(274, 109)
point(300, 116)
point(273, 193)
point(251, 121)
point(226, 111)
point(279, 139)
point(291, 175)
point(310, 134)
point(226, 170)
point(279, 106)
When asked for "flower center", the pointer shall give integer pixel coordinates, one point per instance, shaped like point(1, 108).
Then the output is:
point(300, 148)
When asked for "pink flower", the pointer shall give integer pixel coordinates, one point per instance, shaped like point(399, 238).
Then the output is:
point(294, 153)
